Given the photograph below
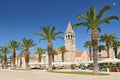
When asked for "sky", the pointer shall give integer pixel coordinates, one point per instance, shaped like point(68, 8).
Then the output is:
point(21, 18)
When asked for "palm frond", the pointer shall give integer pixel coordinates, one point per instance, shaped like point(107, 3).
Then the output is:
point(58, 38)
point(100, 13)
point(92, 13)
point(27, 43)
point(80, 16)
point(14, 45)
point(88, 44)
point(42, 39)
point(40, 34)
point(99, 29)
point(106, 19)
point(48, 33)
point(4, 50)
point(57, 33)
point(81, 24)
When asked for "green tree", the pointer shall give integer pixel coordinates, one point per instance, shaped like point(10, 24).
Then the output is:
point(108, 39)
point(63, 50)
point(4, 50)
point(93, 20)
point(14, 45)
point(39, 51)
point(88, 44)
point(26, 44)
point(115, 45)
point(49, 34)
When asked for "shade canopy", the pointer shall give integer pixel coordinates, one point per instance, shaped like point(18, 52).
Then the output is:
point(110, 60)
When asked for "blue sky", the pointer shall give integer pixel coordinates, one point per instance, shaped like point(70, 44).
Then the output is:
point(21, 18)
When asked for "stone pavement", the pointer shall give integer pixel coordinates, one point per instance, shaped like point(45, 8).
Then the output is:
point(43, 75)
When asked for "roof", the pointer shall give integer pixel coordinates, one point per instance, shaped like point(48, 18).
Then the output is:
point(98, 56)
point(32, 58)
point(90, 55)
point(58, 51)
point(69, 28)
point(78, 54)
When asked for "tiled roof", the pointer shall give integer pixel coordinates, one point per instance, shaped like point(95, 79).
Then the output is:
point(58, 51)
point(78, 54)
point(90, 55)
point(98, 56)
point(32, 58)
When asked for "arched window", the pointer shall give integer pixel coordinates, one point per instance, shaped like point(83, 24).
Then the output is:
point(73, 37)
point(66, 37)
point(69, 37)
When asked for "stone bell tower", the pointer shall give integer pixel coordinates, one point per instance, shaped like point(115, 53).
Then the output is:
point(70, 44)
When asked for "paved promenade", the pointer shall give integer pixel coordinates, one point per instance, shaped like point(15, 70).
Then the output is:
point(43, 75)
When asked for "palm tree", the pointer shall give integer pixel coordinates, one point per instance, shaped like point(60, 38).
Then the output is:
point(115, 45)
point(4, 50)
point(63, 50)
point(108, 38)
point(26, 44)
point(14, 45)
point(93, 21)
point(49, 34)
point(88, 44)
point(39, 51)
point(100, 48)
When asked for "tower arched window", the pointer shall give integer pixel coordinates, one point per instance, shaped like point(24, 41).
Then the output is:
point(71, 37)
point(68, 37)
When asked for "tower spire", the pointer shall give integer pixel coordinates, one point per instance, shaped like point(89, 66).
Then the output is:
point(69, 28)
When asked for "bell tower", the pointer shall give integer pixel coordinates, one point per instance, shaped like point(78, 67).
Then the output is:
point(70, 45)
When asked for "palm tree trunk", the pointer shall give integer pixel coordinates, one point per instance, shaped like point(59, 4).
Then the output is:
point(27, 58)
point(49, 55)
point(5, 61)
point(53, 60)
point(0, 60)
point(108, 47)
point(90, 53)
point(115, 51)
point(39, 57)
point(14, 58)
point(20, 62)
point(62, 57)
point(94, 36)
